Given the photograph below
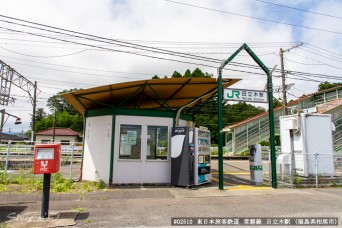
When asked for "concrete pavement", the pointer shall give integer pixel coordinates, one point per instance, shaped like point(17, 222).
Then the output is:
point(155, 206)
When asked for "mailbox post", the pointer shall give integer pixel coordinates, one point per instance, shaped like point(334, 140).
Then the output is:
point(47, 160)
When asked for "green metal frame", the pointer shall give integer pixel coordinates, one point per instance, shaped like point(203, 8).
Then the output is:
point(111, 165)
point(271, 114)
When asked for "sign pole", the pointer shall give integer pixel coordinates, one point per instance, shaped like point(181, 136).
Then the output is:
point(46, 196)
point(220, 144)
point(271, 120)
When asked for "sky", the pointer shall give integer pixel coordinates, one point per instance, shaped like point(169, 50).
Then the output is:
point(213, 29)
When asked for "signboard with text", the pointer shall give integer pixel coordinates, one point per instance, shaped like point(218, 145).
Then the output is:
point(245, 95)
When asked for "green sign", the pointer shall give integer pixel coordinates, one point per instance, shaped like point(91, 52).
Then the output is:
point(255, 167)
point(245, 95)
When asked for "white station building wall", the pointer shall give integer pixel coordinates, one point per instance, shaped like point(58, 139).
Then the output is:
point(97, 142)
point(97, 151)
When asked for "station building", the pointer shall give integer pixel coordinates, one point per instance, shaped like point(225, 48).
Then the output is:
point(127, 126)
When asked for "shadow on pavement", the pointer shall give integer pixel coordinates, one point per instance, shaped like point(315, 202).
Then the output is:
point(8, 213)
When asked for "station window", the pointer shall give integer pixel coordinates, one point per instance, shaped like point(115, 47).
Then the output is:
point(130, 141)
point(65, 142)
point(157, 143)
point(44, 141)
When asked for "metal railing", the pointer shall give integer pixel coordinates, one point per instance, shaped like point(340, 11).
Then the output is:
point(320, 169)
point(257, 130)
point(17, 158)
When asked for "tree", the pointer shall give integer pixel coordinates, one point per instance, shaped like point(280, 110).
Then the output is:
point(176, 74)
point(327, 85)
point(197, 73)
point(187, 74)
point(40, 114)
point(57, 101)
point(155, 77)
point(63, 119)
point(66, 115)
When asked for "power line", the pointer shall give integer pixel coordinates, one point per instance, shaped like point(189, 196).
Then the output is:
point(306, 11)
point(317, 54)
point(141, 47)
point(313, 64)
point(55, 56)
point(256, 18)
point(79, 68)
point(104, 40)
point(115, 50)
point(335, 53)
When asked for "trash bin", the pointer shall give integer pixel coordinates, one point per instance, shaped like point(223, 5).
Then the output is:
point(255, 164)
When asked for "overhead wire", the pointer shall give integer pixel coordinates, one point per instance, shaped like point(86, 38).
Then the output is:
point(148, 48)
point(35, 56)
point(252, 17)
point(141, 47)
point(303, 10)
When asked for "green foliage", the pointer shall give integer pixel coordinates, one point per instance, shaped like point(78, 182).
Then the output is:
point(79, 209)
point(100, 185)
point(197, 73)
point(276, 103)
point(92, 186)
point(297, 181)
point(66, 115)
point(4, 179)
point(232, 113)
point(327, 85)
point(40, 114)
point(60, 104)
point(63, 119)
point(176, 74)
point(187, 74)
point(60, 184)
point(155, 77)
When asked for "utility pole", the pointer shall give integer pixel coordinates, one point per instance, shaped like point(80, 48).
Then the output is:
point(2, 123)
point(54, 127)
point(34, 111)
point(282, 71)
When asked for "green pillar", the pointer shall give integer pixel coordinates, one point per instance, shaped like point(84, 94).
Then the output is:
point(220, 145)
point(272, 138)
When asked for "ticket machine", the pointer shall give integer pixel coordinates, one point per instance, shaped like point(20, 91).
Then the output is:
point(47, 158)
point(255, 164)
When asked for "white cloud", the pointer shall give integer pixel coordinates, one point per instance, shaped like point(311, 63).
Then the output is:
point(156, 20)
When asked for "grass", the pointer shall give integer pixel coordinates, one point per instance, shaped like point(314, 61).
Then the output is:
point(26, 183)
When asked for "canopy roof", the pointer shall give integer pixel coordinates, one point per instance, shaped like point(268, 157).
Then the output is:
point(161, 94)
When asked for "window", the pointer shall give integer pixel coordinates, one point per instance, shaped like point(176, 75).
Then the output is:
point(157, 143)
point(44, 141)
point(65, 142)
point(130, 142)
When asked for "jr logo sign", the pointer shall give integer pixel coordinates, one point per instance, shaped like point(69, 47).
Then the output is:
point(245, 95)
point(235, 93)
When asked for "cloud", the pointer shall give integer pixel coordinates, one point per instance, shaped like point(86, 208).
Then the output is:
point(186, 29)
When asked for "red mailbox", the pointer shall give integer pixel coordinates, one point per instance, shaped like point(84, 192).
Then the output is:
point(47, 158)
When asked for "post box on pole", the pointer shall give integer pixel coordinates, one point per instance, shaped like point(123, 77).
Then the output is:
point(47, 160)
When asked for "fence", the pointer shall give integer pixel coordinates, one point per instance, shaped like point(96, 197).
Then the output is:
point(16, 158)
point(298, 169)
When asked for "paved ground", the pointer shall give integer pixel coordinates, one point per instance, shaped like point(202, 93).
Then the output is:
point(155, 206)
point(143, 206)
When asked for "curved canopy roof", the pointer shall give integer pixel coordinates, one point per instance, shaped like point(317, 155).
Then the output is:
point(161, 94)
